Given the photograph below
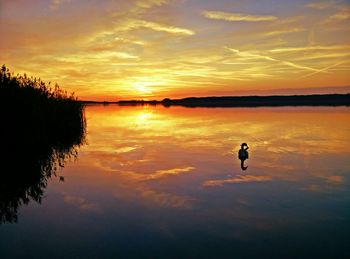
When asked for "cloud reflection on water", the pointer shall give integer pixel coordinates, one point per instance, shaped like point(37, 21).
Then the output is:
point(155, 178)
point(169, 151)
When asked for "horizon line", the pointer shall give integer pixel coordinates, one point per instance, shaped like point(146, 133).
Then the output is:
point(215, 96)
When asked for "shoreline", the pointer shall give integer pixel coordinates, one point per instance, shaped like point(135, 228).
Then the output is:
point(241, 101)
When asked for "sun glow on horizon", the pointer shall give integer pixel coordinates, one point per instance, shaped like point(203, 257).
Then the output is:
point(143, 88)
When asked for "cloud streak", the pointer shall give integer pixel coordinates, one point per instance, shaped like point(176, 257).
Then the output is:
point(57, 3)
point(237, 17)
point(324, 69)
point(250, 55)
point(311, 48)
point(174, 171)
point(341, 15)
point(238, 179)
point(133, 24)
point(146, 4)
point(321, 4)
point(283, 31)
point(164, 28)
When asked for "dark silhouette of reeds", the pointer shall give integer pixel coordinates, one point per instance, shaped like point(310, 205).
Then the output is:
point(41, 127)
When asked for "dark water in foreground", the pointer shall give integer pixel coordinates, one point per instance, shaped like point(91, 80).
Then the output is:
point(160, 183)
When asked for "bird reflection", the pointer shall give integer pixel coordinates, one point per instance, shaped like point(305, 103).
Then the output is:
point(243, 155)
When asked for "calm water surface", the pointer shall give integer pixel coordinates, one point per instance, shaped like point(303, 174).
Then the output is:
point(166, 182)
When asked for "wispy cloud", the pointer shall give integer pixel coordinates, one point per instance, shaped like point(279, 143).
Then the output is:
point(250, 55)
point(80, 202)
point(165, 28)
point(324, 69)
point(125, 149)
point(161, 173)
point(128, 41)
point(238, 179)
point(337, 179)
point(238, 17)
point(95, 56)
point(341, 15)
point(132, 24)
point(342, 10)
point(150, 3)
point(124, 55)
point(57, 3)
point(321, 4)
point(166, 199)
point(283, 31)
point(311, 48)
point(173, 171)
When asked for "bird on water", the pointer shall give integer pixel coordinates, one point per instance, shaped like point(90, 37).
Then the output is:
point(243, 155)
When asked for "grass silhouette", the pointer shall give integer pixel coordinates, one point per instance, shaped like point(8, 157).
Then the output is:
point(41, 128)
point(33, 107)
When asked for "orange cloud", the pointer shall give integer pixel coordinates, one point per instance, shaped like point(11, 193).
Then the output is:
point(238, 179)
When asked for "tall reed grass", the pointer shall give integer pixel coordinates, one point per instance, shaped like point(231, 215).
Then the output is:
point(41, 127)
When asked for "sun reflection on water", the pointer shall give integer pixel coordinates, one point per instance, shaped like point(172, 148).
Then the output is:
point(162, 142)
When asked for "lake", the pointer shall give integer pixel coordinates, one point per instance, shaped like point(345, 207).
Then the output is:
point(160, 182)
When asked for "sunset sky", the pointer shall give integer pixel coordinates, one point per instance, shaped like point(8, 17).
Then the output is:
point(151, 49)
